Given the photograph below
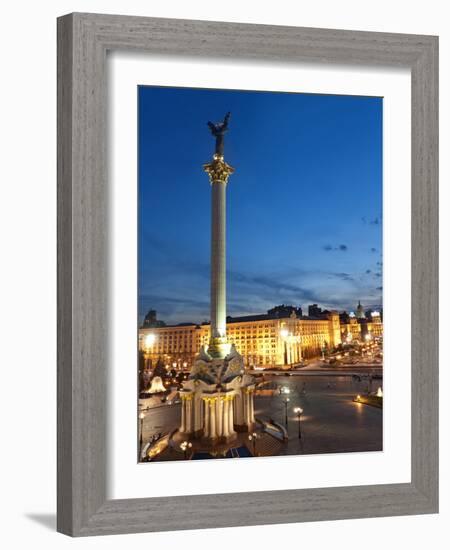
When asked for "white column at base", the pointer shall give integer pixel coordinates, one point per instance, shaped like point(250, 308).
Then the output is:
point(252, 407)
point(212, 412)
point(225, 419)
point(239, 412)
point(219, 411)
point(206, 418)
point(183, 415)
point(196, 420)
point(230, 418)
point(189, 415)
point(244, 406)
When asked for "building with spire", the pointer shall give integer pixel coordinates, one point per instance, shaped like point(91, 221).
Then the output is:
point(360, 327)
point(360, 311)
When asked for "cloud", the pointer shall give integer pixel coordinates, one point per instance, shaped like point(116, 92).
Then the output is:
point(176, 284)
point(374, 221)
point(329, 247)
point(276, 284)
point(343, 276)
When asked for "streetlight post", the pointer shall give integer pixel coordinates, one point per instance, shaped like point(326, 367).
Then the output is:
point(298, 411)
point(253, 437)
point(141, 438)
point(286, 392)
point(184, 447)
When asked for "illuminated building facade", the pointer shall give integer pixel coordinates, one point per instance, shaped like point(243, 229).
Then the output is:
point(360, 327)
point(264, 340)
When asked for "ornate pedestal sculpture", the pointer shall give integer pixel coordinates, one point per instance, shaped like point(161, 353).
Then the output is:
point(217, 399)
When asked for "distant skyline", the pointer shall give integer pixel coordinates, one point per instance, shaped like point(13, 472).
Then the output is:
point(304, 207)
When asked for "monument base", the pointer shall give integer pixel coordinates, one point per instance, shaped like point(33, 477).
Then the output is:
point(217, 399)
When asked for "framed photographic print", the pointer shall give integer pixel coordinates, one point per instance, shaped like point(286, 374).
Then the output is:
point(247, 274)
point(248, 372)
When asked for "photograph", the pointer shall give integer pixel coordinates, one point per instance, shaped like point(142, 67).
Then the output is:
point(260, 267)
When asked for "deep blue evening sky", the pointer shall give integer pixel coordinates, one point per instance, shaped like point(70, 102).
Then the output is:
point(304, 207)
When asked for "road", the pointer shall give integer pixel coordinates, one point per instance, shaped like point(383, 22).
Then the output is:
point(161, 419)
point(331, 422)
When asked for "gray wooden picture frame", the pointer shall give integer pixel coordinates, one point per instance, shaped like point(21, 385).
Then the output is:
point(83, 41)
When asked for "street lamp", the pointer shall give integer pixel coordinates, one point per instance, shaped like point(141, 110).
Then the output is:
point(184, 447)
point(141, 418)
point(285, 391)
point(150, 340)
point(298, 411)
point(253, 437)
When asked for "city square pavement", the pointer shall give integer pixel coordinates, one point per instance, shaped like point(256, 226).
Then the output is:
point(331, 422)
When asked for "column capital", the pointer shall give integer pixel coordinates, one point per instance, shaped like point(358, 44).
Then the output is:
point(218, 170)
point(210, 399)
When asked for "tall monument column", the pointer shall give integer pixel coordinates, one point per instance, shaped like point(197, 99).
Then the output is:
point(218, 260)
point(219, 172)
point(218, 380)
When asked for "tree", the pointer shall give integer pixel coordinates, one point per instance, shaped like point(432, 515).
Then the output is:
point(160, 369)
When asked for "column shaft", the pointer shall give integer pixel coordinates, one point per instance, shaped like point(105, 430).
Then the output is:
point(225, 419)
point(189, 416)
point(247, 409)
point(244, 407)
point(238, 400)
point(197, 414)
point(252, 407)
point(206, 419)
point(212, 412)
point(218, 260)
point(183, 416)
point(219, 410)
point(230, 417)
